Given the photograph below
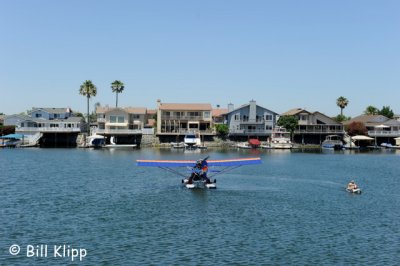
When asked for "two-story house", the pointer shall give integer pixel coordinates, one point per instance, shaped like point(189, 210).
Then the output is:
point(48, 125)
point(183, 118)
point(380, 127)
point(313, 127)
point(250, 120)
point(125, 124)
point(129, 120)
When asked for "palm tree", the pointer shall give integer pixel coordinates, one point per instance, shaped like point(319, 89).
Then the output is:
point(88, 89)
point(371, 110)
point(342, 102)
point(117, 87)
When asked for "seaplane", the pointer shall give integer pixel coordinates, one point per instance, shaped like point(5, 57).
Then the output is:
point(201, 171)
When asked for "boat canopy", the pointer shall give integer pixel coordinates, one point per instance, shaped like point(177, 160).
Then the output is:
point(361, 137)
point(12, 136)
point(254, 142)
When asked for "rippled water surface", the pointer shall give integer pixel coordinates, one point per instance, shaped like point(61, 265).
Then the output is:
point(291, 209)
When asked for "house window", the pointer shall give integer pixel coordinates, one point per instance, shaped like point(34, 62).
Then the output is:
point(194, 114)
point(206, 114)
point(136, 116)
point(117, 119)
point(237, 117)
point(268, 127)
point(303, 117)
point(268, 117)
point(38, 115)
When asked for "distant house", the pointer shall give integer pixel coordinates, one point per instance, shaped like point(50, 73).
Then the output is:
point(219, 115)
point(46, 120)
point(313, 127)
point(2, 119)
point(181, 118)
point(380, 127)
point(151, 121)
point(48, 126)
point(121, 121)
point(250, 120)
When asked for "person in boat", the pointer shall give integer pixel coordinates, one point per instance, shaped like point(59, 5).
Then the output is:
point(352, 185)
point(199, 171)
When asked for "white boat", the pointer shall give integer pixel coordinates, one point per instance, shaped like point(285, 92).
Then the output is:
point(96, 141)
point(280, 139)
point(243, 145)
point(266, 146)
point(349, 143)
point(354, 190)
point(332, 142)
point(177, 145)
point(191, 141)
point(113, 144)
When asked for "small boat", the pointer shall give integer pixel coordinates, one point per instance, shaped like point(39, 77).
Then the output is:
point(96, 141)
point(387, 145)
point(11, 141)
point(191, 141)
point(280, 139)
point(177, 145)
point(243, 145)
point(354, 190)
point(332, 142)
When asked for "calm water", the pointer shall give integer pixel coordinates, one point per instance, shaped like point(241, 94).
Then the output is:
point(292, 209)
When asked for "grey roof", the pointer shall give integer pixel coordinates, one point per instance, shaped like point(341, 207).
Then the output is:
point(247, 105)
point(296, 111)
point(129, 110)
point(373, 120)
point(52, 110)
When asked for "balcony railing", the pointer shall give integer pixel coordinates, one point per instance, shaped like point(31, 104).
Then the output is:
point(48, 129)
point(183, 117)
point(250, 131)
point(185, 131)
point(117, 131)
point(253, 121)
point(384, 133)
point(319, 130)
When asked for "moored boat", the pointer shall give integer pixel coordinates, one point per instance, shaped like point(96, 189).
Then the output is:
point(333, 142)
point(191, 141)
point(280, 139)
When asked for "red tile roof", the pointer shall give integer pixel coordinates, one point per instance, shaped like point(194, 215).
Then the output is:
point(186, 106)
point(219, 112)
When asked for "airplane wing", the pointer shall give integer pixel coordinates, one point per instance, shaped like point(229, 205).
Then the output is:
point(179, 163)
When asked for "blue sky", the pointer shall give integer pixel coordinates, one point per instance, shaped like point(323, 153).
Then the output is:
point(284, 54)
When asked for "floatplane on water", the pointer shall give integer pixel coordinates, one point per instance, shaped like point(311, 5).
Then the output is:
point(201, 170)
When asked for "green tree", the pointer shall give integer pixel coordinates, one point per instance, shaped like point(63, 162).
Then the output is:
point(341, 118)
point(386, 111)
point(117, 87)
point(222, 130)
point(371, 110)
point(342, 102)
point(289, 122)
point(88, 89)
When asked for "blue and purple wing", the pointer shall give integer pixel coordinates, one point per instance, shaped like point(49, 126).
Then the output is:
point(179, 163)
